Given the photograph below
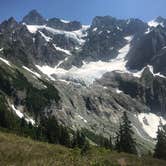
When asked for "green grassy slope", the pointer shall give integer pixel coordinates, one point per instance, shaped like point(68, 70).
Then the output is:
point(18, 151)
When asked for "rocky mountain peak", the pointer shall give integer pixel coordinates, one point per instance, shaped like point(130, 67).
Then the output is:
point(9, 24)
point(64, 25)
point(34, 18)
point(133, 26)
point(128, 27)
point(105, 21)
point(160, 19)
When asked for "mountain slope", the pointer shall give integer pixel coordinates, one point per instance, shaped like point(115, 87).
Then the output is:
point(86, 76)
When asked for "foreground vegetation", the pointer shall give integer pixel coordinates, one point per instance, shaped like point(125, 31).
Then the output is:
point(15, 150)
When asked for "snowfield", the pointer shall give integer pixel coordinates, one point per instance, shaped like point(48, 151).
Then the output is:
point(75, 35)
point(93, 70)
point(21, 115)
point(89, 71)
point(150, 123)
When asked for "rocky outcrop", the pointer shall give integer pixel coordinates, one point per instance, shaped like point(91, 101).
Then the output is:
point(150, 90)
point(34, 18)
point(147, 48)
point(67, 26)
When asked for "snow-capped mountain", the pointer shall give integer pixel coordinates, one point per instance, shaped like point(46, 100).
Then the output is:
point(86, 75)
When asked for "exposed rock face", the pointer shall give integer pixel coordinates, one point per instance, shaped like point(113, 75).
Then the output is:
point(150, 90)
point(34, 18)
point(67, 26)
point(21, 46)
point(161, 21)
point(147, 48)
point(101, 41)
point(106, 36)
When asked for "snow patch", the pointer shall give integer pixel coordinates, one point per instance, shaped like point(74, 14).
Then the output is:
point(155, 74)
point(30, 120)
point(118, 91)
point(65, 21)
point(34, 73)
point(164, 47)
point(150, 123)
point(80, 117)
point(94, 29)
point(62, 50)
point(75, 35)
point(118, 28)
point(138, 132)
point(5, 61)
point(34, 28)
point(18, 112)
point(139, 73)
point(100, 32)
point(154, 23)
point(33, 40)
point(128, 38)
point(21, 115)
point(128, 21)
point(148, 31)
point(1, 49)
point(45, 37)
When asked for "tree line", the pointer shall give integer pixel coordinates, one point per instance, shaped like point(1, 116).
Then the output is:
point(49, 130)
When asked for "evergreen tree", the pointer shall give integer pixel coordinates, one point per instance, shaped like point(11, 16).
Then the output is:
point(160, 149)
point(105, 142)
point(52, 130)
point(124, 140)
point(79, 139)
point(85, 148)
point(110, 143)
point(118, 139)
point(64, 136)
point(7, 118)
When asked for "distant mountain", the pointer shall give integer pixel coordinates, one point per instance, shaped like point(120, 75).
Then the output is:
point(86, 75)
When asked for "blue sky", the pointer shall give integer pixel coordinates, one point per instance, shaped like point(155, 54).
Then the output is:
point(84, 10)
